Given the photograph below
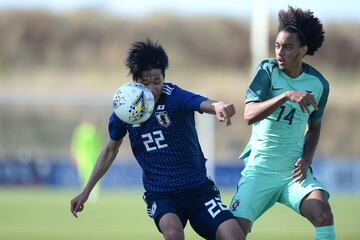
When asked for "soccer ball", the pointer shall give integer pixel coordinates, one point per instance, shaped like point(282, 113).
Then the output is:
point(133, 103)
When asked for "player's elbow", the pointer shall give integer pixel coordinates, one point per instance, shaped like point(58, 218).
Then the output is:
point(250, 113)
point(249, 121)
point(248, 117)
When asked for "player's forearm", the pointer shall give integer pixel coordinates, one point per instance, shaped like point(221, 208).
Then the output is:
point(257, 111)
point(208, 106)
point(310, 143)
point(103, 163)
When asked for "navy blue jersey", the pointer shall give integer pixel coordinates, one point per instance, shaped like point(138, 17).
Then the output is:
point(166, 146)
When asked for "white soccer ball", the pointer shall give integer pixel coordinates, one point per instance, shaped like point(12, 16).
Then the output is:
point(133, 103)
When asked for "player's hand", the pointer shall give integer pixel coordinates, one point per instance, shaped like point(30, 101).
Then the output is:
point(300, 170)
point(77, 204)
point(304, 99)
point(224, 111)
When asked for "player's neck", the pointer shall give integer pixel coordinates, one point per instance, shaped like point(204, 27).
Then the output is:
point(295, 71)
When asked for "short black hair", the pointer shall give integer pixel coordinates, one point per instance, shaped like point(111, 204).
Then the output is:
point(308, 28)
point(146, 55)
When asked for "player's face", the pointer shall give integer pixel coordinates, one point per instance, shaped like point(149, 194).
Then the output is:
point(289, 53)
point(154, 80)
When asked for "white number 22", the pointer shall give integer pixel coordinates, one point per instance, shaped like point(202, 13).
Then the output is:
point(153, 140)
point(216, 206)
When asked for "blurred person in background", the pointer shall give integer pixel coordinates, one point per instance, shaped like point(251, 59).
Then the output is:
point(285, 100)
point(86, 144)
point(167, 148)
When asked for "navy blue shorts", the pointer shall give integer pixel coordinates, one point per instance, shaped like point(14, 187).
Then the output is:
point(201, 206)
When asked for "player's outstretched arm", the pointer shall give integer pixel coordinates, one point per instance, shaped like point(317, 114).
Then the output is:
point(103, 163)
point(223, 110)
point(257, 111)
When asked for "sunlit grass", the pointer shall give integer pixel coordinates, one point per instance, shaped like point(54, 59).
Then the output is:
point(38, 214)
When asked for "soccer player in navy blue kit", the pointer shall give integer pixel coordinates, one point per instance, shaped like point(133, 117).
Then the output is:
point(167, 148)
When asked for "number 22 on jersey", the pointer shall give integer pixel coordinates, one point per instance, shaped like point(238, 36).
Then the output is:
point(154, 140)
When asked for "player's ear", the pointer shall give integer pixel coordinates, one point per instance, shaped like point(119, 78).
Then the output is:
point(303, 50)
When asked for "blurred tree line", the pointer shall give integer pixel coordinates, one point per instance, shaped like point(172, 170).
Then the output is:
point(90, 38)
point(202, 50)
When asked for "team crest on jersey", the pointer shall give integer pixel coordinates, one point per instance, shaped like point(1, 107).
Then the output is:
point(235, 205)
point(163, 118)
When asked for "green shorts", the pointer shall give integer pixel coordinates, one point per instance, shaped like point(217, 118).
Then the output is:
point(257, 191)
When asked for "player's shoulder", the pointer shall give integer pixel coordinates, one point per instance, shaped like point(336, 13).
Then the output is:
point(308, 69)
point(268, 64)
point(265, 68)
point(169, 88)
point(114, 121)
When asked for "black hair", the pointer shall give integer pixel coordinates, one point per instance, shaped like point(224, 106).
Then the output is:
point(146, 55)
point(308, 28)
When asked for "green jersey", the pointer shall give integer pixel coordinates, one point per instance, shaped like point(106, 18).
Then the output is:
point(277, 140)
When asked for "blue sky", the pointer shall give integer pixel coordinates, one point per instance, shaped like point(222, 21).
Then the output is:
point(327, 10)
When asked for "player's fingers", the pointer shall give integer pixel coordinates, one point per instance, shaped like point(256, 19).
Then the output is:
point(74, 210)
point(300, 177)
point(80, 208)
point(298, 163)
point(312, 101)
point(72, 206)
point(295, 173)
point(307, 108)
point(77, 208)
point(299, 174)
point(226, 112)
point(227, 116)
point(301, 106)
point(228, 122)
point(220, 116)
point(231, 110)
point(297, 179)
point(304, 106)
point(309, 99)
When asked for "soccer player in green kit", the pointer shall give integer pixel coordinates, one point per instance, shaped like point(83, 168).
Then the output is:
point(284, 104)
point(86, 144)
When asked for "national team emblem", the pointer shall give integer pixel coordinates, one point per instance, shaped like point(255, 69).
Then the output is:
point(235, 205)
point(163, 118)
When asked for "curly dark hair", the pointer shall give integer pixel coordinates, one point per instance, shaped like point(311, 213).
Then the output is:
point(308, 28)
point(146, 55)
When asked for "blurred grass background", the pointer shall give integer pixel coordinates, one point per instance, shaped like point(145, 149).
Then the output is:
point(39, 214)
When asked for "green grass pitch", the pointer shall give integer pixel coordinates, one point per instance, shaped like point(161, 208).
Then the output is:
point(37, 213)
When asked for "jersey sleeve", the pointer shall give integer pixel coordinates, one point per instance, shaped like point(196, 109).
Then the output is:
point(259, 87)
point(189, 101)
point(116, 127)
point(316, 116)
